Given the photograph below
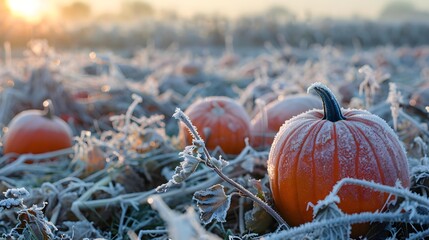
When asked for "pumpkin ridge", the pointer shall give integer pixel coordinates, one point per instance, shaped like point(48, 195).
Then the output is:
point(288, 135)
point(392, 161)
point(383, 179)
point(298, 158)
point(377, 160)
point(277, 160)
point(356, 173)
point(374, 152)
point(313, 162)
point(336, 160)
point(391, 142)
point(398, 169)
point(240, 125)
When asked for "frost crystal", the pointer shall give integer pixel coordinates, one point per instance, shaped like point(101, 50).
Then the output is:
point(9, 203)
point(191, 160)
point(16, 193)
point(14, 198)
point(369, 85)
point(181, 116)
point(394, 98)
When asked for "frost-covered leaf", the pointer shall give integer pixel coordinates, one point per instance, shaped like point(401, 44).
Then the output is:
point(9, 203)
point(369, 85)
point(33, 225)
point(395, 99)
point(14, 198)
point(80, 230)
point(180, 226)
point(258, 220)
point(184, 170)
point(16, 193)
point(260, 187)
point(212, 203)
point(219, 162)
point(248, 164)
point(327, 209)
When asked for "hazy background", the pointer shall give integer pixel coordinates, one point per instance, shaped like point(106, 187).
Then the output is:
point(118, 24)
point(326, 8)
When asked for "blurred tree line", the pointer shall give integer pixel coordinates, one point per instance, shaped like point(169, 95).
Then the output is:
point(136, 23)
point(129, 10)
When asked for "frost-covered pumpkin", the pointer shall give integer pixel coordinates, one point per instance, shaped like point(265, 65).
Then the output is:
point(267, 123)
point(220, 121)
point(36, 131)
point(314, 150)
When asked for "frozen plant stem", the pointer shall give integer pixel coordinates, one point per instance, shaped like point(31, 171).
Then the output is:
point(380, 187)
point(349, 219)
point(185, 119)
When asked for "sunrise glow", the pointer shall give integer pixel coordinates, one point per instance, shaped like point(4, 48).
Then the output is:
point(27, 9)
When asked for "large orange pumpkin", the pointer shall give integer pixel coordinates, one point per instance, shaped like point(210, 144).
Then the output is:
point(36, 131)
point(265, 125)
point(314, 150)
point(220, 121)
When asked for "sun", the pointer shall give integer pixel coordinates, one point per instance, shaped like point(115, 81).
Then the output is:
point(27, 9)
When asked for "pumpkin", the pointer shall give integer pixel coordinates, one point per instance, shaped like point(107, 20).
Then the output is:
point(220, 121)
point(315, 149)
point(267, 123)
point(189, 69)
point(420, 98)
point(36, 131)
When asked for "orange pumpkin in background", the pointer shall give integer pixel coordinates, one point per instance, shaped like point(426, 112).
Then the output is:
point(266, 123)
point(420, 98)
point(314, 150)
point(189, 69)
point(220, 121)
point(36, 131)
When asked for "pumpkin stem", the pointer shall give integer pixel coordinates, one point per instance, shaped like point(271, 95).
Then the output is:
point(331, 107)
point(48, 109)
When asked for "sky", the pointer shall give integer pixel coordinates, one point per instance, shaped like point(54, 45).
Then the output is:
point(234, 8)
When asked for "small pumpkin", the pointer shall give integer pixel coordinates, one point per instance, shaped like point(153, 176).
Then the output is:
point(36, 131)
point(314, 150)
point(220, 121)
point(420, 98)
point(267, 123)
point(189, 69)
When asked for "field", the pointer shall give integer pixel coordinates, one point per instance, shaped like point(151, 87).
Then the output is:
point(128, 174)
